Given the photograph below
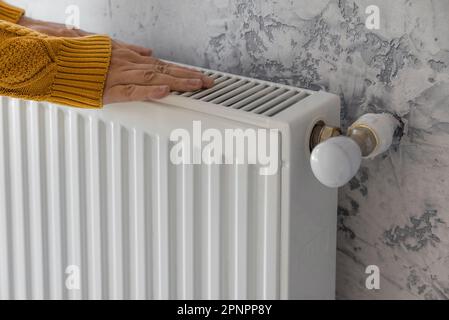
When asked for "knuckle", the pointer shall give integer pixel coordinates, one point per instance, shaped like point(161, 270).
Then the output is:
point(148, 75)
point(157, 61)
point(128, 90)
point(162, 68)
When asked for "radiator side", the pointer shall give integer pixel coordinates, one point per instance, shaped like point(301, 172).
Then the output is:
point(309, 217)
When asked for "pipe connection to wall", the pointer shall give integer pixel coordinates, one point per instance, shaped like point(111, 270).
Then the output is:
point(335, 159)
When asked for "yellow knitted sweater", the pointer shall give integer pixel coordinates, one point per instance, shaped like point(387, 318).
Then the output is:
point(34, 66)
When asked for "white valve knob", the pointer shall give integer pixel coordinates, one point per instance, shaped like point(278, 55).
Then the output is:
point(335, 161)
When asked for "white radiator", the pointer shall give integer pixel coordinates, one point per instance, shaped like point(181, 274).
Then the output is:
point(93, 207)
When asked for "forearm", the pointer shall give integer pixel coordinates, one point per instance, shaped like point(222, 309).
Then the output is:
point(47, 61)
point(70, 71)
point(14, 14)
point(51, 28)
point(36, 66)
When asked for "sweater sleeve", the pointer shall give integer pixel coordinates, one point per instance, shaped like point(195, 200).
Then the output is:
point(69, 71)
point(10, 13)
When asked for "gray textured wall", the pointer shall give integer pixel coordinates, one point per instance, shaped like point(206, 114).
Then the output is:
point(394, 213)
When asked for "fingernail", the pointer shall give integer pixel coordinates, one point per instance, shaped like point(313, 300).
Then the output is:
point(208, 82)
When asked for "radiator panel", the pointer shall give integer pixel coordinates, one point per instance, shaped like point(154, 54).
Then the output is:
point(97, 192)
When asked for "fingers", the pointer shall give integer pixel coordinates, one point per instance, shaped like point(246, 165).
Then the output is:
point(130, 93)
point(174, 77)
point(130, 59)
point(55, 32)
point(140, 50)
point(153, 77)
point(208, 82)
point(134, 57)
point(181, 72)
point(137, 49)
point(176, 84)
point(138, 77)
point(136, 61)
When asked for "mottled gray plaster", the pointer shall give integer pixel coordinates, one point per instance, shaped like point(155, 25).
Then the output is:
point(394, 214)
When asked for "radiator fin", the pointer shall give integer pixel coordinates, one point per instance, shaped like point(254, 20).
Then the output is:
point(248, 95)
point(92, 209)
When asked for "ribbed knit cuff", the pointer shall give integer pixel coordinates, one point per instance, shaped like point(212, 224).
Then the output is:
point(10, 13)
point(82, 67)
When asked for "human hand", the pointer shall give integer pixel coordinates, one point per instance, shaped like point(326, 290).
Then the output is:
point(134, 75)
point(61, 30)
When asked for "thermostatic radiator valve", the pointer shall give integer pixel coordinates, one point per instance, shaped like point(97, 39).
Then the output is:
point(335, 159)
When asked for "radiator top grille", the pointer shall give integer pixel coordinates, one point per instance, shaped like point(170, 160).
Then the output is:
point(248, 95)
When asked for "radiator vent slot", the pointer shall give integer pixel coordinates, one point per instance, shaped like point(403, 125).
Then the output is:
point(248, 95)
